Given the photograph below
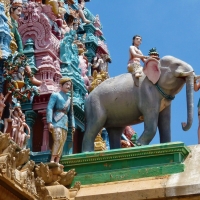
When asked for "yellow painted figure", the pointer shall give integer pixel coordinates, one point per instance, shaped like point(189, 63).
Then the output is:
point(59, 114)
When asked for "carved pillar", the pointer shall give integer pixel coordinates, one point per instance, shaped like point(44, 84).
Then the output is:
point(45, 140)
point(30, 120)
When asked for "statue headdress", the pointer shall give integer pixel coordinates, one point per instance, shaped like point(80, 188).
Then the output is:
point(16, 3)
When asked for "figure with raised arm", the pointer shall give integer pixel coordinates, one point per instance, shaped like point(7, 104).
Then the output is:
point(135, 56)
point(59, 114)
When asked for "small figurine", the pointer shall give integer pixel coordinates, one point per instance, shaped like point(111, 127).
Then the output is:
point(59, 114)
point(97, 62)
point(84, 70)
point(16, 122)
point(135, 55)
point(22, 137)
point(97, 79)
point(61, 20)
point(81, 5)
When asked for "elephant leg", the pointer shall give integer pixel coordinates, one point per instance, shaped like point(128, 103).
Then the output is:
point(164, 127)
point(93, 127)
point(150, 126)
point(115, 137)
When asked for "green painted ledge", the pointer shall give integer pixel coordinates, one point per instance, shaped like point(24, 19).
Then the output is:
point(127, 163)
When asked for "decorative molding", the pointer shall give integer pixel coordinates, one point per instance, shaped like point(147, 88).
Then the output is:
point(127, 163)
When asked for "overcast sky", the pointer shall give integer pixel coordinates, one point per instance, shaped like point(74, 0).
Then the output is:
point(173, 27)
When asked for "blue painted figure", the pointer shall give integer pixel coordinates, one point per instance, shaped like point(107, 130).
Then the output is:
point(59, 113)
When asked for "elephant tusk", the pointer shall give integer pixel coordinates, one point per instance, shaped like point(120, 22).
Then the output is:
point(183, 74)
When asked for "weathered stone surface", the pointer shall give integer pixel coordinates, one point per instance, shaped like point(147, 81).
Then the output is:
point(179, 186)
point(187, 182)
point(128, 163)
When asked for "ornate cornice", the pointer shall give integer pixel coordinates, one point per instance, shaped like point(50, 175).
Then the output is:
point(153, 160)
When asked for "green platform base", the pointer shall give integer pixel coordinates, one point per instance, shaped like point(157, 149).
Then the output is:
point(128, 163)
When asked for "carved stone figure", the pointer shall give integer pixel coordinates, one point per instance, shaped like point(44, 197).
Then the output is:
point(59, 112)
point(125, 103)
point(15, 13)
point(98, 78)
point(16, 122)
point(97, 62)
point(130, 137)
point(2, 102)
point(83, 67)
point(22, 137)
point(135, 55)
point(81, 5)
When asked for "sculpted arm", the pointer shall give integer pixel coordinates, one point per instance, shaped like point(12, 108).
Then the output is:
point(136, 55)
point(27, 128)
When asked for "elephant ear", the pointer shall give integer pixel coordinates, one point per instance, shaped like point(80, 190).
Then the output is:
point(151, 69)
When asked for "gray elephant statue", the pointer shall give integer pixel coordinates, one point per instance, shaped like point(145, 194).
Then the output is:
point(125, 100)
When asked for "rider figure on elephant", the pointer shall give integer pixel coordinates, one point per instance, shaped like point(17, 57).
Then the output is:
point(135, 55)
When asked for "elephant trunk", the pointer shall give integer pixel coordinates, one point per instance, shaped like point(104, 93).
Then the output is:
point(190, 105)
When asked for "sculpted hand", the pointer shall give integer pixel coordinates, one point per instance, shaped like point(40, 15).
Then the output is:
point(50, 126)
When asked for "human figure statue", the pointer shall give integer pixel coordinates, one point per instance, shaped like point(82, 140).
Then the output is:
point(81, 5)
point(196, 88)
point(61, 20)
point(15, 13)
point(135, 56)
point(83, 66)
point(16, 121)
point(97, 63)
point(22, 137)
point(59, 114)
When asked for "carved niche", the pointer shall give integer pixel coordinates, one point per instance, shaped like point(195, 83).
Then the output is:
point(35, 24)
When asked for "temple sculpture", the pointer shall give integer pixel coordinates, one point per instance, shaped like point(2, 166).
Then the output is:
point(43, 43)
point(48, 40)
point(58, 105)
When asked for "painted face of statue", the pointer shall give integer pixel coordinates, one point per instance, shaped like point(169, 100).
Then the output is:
point(16, 13)
point(138, 41)
point(15, 113)
point(75, 26)
point(66, 87)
